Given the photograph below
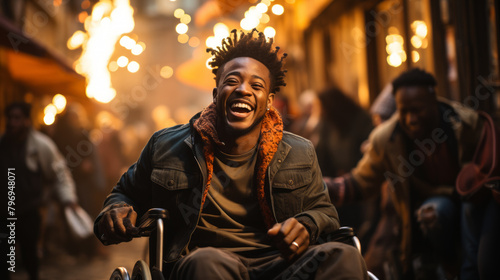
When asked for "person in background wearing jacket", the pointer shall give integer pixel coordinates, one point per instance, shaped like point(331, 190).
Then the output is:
point(246, 200)
point(34, 161)
point(420, 151)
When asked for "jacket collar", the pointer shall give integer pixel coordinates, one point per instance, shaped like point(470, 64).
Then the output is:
point(271, 135)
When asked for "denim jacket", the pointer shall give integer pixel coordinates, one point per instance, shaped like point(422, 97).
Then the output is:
point(171, 174)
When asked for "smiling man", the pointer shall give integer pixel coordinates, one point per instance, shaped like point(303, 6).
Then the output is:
point(246, 200)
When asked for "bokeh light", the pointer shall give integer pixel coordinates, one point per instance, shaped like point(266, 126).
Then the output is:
point(277, 9)
point(181, 28)
point(137, 49)
point(185, 18)
point(269, 32)
point(59, 102)
point(183, 38)
point(415, 56)
point(166, 72)
point(133, 66)
point(178, 13)
point(113, 66)
point(194, 42)
point(122, 61)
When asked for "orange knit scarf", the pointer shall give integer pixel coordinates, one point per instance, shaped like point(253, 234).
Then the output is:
point(271, 134)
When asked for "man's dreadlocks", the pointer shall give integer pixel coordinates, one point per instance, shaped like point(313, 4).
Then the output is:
point(247, 46)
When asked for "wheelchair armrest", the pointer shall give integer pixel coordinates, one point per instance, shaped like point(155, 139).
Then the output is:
point(147, 222)
point(343, 234)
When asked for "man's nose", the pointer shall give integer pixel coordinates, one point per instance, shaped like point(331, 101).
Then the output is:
point(412, 118)
point(244, 89)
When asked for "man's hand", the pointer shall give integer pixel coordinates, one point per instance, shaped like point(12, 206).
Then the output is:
point(427, 217)
point(291, 238)
point(118, 225)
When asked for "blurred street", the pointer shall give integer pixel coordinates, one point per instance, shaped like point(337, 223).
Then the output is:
point(66, 267)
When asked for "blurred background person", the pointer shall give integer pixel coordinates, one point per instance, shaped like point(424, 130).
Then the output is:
point(106, 136)
point(71, 135)
point(39, 168)
point(380, 252)
point(343, 128)
point(337, 127)
point(420, 151)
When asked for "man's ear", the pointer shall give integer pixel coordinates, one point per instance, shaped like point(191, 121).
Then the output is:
point(214, 95)
point(270, 100)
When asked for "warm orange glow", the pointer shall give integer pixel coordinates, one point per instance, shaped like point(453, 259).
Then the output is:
point(183, 38)
point(82, 16)
point(85, 4)
point(194, 42)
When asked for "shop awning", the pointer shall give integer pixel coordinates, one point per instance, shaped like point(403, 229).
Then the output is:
point(34, 66)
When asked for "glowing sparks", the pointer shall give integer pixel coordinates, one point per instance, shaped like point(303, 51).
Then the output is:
point(105, 26)
point(76, 40)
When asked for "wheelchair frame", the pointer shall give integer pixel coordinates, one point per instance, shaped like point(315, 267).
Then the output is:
point(153, 220)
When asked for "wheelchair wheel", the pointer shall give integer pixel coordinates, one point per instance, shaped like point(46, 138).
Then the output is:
point(120, 273)
point(141, 271)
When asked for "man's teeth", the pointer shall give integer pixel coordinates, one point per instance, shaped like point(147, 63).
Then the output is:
point(241, 105)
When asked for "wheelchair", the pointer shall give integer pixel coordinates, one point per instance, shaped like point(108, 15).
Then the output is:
point(152, 220)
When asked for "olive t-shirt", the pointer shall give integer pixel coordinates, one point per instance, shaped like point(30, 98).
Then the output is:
point(231, 217)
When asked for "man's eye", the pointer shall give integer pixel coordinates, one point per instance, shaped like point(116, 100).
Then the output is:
point(257, 86)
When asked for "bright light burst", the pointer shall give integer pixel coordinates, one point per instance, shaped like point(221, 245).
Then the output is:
point(105, 26)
